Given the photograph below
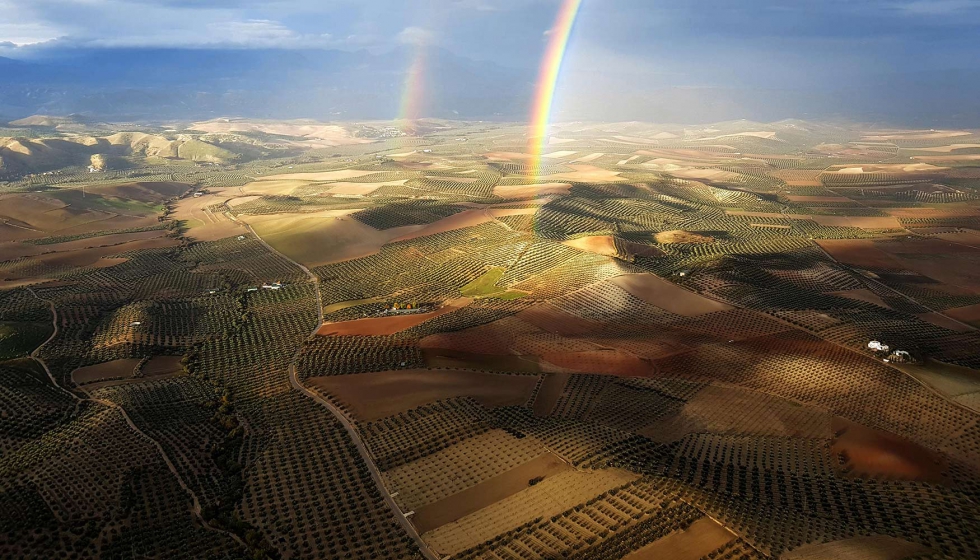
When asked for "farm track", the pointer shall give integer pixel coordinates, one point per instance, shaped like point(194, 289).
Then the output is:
point(342, 417)
point(195, 501)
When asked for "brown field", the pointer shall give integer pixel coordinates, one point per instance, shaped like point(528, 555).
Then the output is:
point(871, 453)
point(381, 326)
point(486, 493)
point(548, 394)
point(681, 236)
point(606, 245)
point(242, 200)
point(860, 252)
point(107, 370)
point(10, 250)
point(734, 411)
point(801, 198)
point(969, 314)
point(872, 547)
point(667, 295)
point(32, 215)
point(375, 395)
point(702, 537)
point(599, 244)
point(864, 222)
point(161, 366)
point(551, 319)
point(946, 210)
point(862, 294)
point(941, 320)
point(447, 358)
point(528, 191)
point(606, 362)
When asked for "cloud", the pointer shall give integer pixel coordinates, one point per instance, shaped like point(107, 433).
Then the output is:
point(415, 36)
point(938, 7)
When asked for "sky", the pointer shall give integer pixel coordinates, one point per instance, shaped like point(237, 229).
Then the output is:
point(634, 47)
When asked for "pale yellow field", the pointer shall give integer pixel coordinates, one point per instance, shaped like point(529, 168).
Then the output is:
point(552, 496)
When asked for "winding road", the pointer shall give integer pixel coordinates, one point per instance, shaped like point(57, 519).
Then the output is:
point(342, 417)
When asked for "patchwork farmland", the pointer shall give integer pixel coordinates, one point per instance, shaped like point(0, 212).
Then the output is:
point(413, 347)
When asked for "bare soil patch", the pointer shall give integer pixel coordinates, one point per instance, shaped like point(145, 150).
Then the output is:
point(116, 369)
point(606, 362)
point(860, 253)
point(941, 320)
point(486, 493)
point(872, 547)
point(380, 326)
point(864, 452)
point(681, 236)
point(702, 537)
point(375, 395)
point(548, 394)
point(160, 366)
point(969, 314)
point(667, 295)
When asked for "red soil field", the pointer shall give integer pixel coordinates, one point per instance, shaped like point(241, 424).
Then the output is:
point(115, 368)
point(968, 314)
point(607, 362)
point(859, 252)
point(549, 318)
point(666, 295)
point(380, 326)
point(372, 396)
point(870, 453)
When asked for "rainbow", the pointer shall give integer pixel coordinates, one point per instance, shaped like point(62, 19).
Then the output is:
point(413, 90)
point(544, 96)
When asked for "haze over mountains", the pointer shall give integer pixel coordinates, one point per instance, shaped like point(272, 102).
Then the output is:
point(199, 83)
